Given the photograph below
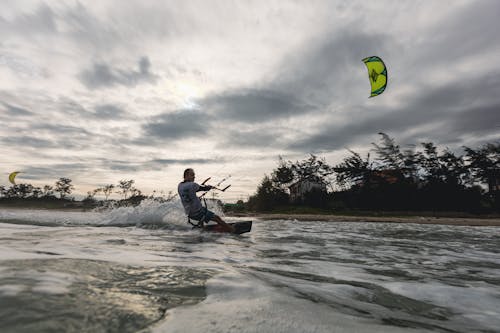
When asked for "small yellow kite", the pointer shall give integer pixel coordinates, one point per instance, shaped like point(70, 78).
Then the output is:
point(12, 177)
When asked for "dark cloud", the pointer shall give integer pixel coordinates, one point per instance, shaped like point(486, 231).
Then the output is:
point(58, 141)
point(71, 107)
point(28, 142)
point(254, 105)
point(54, 136)
point(470, 107)
point(472, 31)
point(73, 21)
point(102, 75)
point(177, 125)
point(41, 21)
point(168, 161)
point(128, 166)
point(61, 129)
point(478, 121)
point(307, 81)
point(324, 71)
point(336, 136)
point(105, 111)
point(108, 111)
point(16, 110)
point(252, 138)
point(54, 171)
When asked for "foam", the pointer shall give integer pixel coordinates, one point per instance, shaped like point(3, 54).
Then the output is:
point(11, 289)
point(238, 303)
point(149, 213)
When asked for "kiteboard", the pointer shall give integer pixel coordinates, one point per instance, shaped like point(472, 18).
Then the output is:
point(240, 227)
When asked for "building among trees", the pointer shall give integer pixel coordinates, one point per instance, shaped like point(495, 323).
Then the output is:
point(298, 190)
point(494, 181)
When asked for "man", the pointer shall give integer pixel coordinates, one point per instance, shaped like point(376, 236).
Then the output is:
point(192, 204)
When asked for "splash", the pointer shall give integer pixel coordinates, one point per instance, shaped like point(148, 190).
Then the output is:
point(148, 214)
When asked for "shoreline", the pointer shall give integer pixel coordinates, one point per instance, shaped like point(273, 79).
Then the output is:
point(463, 221)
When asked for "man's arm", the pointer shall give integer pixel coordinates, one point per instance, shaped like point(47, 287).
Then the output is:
point(204, 188)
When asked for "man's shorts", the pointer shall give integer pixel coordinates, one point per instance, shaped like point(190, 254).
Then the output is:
point(203, 215)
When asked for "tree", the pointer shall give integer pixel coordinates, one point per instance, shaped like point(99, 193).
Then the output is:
point(125, 187)
point(283, 175)
point(48, 191)
point(353, 170)
point(19, 191)
point(390, 157)
point(107, 190)
point(445, 168)
point(36, 192)
point(313, 169)
point(64, 187)
point(90, 196)
point(268, 196)
point(455, 170)
point(389, 154)
point(431, 170)
point(484, 162)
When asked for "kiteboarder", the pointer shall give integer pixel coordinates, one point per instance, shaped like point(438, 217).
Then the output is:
point(192, 204)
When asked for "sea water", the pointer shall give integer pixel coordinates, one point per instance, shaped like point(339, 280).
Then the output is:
point(143, 269)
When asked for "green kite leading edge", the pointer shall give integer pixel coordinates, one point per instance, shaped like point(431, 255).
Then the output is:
point(377, 72)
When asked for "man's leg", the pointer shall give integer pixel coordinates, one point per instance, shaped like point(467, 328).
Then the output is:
point(220, 222)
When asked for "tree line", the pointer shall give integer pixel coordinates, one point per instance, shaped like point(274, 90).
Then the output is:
point(390, 177)
point(63, 187)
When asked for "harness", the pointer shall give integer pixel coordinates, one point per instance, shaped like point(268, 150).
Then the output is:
point(200, 222)
point(198, 225)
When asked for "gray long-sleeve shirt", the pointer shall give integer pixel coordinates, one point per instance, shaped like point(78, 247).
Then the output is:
point(190, 201)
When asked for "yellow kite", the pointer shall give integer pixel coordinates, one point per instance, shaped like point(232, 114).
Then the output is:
point(377, 72)
point(12, 177)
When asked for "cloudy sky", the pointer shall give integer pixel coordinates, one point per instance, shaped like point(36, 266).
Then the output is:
point(99, 91)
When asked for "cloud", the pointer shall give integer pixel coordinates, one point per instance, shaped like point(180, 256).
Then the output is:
point(178, 125)
point(254, 105)
point(21, 67)
point(262, 138)
point(138, 166)
point(100, 111)
point(444, 114)
point(327, 69)
point(472, 30)
point(306, 81)
point(102, 75)
point(16, 110)
point(108, 111)
point(28, 142)
point(54, 171)
point(478, 121)
point(168, 161)
point(42, 20)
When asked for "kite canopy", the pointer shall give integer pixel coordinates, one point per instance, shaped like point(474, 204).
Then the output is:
point(377, 72)
point(12, 177)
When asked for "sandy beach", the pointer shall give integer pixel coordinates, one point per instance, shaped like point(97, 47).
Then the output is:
point(468, 221)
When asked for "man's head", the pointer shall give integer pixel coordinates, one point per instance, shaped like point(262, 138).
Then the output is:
point(189, 175)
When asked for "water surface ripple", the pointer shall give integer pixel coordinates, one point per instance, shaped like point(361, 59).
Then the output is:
point(285, 276)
